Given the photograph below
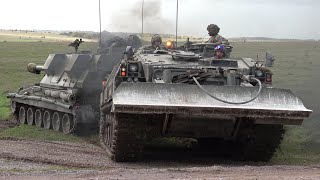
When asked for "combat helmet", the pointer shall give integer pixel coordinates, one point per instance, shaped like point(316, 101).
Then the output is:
point(213, 29)
point(219, 48)
point(156, 38)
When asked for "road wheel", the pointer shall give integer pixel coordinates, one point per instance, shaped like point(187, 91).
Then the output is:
point(30, 116)
point(22, 115)
point(47, 119)
point(67, 124)
point(56, 121)
point(38, 118)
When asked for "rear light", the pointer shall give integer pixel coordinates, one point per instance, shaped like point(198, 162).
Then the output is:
point(268, 78)
point(123, 71)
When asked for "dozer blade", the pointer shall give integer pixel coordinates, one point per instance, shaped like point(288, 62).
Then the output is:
point(272, 105)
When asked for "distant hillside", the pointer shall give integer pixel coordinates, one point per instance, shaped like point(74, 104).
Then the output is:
point(90, 36)
point(36, 36)
point(265, 39)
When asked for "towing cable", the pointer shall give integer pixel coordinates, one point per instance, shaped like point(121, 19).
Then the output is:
point(248, 78)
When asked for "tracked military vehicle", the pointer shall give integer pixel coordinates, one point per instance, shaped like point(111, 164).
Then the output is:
point(188, 93)
point(68, 96)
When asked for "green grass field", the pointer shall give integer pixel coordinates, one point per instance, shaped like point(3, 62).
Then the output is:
point(14, 57)
point(32, 132)
point(297, 68)
point(27, 36)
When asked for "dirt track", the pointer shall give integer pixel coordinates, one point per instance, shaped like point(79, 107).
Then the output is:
point(27, 159)
point(30, 159)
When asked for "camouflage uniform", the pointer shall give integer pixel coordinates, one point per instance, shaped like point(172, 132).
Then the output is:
point(213, 31)
point(218, 39)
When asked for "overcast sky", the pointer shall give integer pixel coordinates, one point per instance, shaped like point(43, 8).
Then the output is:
point(245, 18)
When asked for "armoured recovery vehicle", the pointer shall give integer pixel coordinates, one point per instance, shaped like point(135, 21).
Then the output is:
point(68, 96)
point(189, 93)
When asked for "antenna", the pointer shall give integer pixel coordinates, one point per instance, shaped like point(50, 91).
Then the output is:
point(177, 15)
point(203, 37)
point(142, 16)
point(100, 24)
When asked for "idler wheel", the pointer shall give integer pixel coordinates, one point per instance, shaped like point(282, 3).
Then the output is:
point(67, 124)
point(22, 115)
point(13, 106)
point(47, 120)
point(30, 116)
point(38, 118)
point(56, 121)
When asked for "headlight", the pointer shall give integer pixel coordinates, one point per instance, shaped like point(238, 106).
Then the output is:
point(158, 74)
point(259, 73)
point(133, 67)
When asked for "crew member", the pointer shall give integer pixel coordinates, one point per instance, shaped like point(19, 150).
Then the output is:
point(156, 43)
point(213, 31)
point(219, 52)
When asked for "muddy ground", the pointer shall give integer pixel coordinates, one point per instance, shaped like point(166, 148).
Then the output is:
point(4, 124)
point(30, 159)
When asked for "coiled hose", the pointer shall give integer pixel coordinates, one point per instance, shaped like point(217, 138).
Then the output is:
point(228, 102)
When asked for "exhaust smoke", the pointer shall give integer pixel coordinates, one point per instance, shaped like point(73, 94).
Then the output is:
point(154, 22)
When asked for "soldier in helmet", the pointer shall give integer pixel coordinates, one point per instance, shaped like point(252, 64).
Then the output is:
point(219, 52)
point(156, 43)
point(213, 31)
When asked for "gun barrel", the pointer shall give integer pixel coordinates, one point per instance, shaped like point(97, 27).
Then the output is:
point(33, 68)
